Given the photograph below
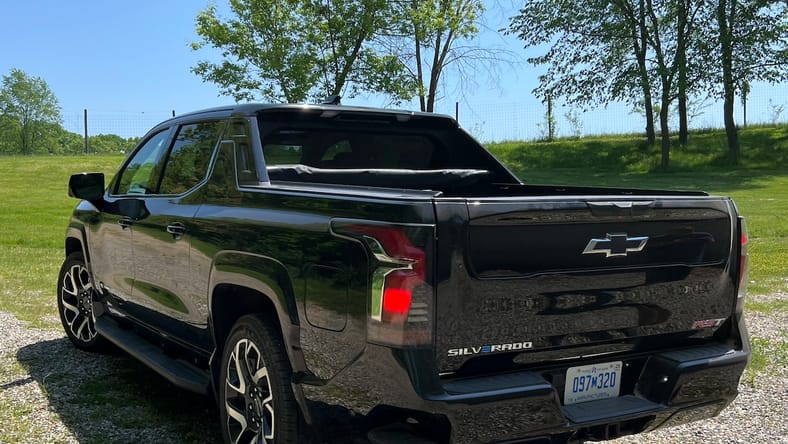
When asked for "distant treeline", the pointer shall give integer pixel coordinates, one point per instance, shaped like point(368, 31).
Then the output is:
point(51, 138)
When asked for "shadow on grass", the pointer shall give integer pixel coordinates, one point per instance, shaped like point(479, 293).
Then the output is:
point(107, 398)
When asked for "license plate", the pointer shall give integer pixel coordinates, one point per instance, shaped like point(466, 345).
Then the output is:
point(592, 382)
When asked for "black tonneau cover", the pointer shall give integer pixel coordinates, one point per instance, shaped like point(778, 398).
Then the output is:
point(398, 178)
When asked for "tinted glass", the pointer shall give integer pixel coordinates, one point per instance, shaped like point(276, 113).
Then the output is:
point(141, 174)
point(187, 163)
point(239, 133)
point(342, 149)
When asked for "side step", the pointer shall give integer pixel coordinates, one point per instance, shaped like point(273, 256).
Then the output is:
point(179, 373)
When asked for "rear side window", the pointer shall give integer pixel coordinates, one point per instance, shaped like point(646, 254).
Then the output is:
point(239, 134)
point(187, 163)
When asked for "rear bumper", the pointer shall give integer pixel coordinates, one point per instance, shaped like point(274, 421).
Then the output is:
point(666, 389)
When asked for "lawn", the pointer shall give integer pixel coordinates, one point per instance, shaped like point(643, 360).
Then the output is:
point(34, 212)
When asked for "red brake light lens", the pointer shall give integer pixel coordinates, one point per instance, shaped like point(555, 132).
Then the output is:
point(400, 297)
point(396, 302)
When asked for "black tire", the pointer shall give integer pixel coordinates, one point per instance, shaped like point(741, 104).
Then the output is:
point(256, 399)
point(75, 304)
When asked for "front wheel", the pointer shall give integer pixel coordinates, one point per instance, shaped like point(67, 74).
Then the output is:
point(75, 304)
point(255, 397)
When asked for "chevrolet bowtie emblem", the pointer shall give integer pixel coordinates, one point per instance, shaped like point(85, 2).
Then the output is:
point(616, 244)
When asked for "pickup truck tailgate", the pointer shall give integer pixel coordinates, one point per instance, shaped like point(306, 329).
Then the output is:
point(537, 279)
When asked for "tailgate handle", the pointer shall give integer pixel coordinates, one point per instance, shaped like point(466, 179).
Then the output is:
point(618, 206)
point(623, 204)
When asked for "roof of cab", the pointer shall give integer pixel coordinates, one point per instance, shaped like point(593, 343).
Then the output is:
point(255, 108)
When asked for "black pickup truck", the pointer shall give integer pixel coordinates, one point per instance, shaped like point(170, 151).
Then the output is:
point(295, 261)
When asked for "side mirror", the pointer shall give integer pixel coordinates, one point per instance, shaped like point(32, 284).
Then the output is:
point(87, 186)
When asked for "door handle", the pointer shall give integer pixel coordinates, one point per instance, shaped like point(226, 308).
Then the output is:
point(124, 222)
point(176, 229)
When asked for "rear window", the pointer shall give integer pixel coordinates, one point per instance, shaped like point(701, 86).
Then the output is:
point(349, 150)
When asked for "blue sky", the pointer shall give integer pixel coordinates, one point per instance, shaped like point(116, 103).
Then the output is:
point(133, 58)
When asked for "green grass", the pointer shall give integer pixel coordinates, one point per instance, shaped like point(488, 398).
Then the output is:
point(34, 211)
point(768, 307)
point(766, 354)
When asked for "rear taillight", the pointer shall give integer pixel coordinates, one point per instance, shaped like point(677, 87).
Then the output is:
point(743, 265)
point(400, 298)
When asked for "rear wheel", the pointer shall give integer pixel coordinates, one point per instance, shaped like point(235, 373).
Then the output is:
point(255, 397)
point(75, 304)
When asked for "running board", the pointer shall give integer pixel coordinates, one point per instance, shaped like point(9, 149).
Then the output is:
point(179, 373)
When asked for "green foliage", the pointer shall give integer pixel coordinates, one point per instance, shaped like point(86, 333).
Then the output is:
point(295, 50)
point(108, 144)
point(589, 58)
point(9, 135)
point(29, 109)
point(600, 51)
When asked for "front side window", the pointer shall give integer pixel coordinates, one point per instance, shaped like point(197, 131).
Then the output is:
point(141, 174)
point(187, 163)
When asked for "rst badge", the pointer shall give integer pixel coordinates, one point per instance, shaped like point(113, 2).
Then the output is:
point(616, 244)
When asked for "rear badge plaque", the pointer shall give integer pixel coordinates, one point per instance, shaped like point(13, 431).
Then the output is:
point(592, 382)
point(616, 245)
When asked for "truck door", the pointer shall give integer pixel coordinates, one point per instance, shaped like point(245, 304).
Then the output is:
point(165, 291)
point(111, 237)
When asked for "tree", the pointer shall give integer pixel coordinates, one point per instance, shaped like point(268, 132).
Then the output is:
point(752, 36)
point(29, 102)
point(618, 50)
point(598, 52)
point(294, 50)
point(436, 36)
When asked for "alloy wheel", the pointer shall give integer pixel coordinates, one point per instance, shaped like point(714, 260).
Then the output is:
point(248, 395)
point(76, 297)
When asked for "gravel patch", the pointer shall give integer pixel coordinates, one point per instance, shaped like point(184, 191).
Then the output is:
point(51, 392)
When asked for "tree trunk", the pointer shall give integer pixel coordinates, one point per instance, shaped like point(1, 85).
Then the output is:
point(24, 133)
point(724, 20)
point(433, 89)
point(681, 64)
point(419, 68)
point(641, 45)
point(663, 126)
point(550, 118)
point(731, 131)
